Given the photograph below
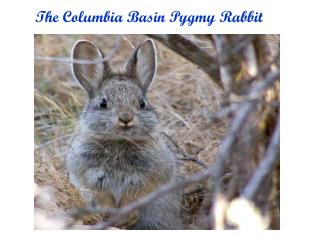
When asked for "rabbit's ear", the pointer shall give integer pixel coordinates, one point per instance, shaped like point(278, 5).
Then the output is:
point(88, 75)
point(143, 64)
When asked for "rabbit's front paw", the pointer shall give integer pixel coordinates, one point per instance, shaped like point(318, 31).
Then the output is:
point(127, 222)
point(92, 219)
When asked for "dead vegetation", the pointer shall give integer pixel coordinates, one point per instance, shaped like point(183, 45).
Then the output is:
point(199, 113)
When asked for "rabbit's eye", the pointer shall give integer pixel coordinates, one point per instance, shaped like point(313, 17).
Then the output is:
point(103, 103)
point(143, 103)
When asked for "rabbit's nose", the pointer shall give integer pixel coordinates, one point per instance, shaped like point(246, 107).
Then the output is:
point(125, 117)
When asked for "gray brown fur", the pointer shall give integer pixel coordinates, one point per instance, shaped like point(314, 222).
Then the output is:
point(115, 162)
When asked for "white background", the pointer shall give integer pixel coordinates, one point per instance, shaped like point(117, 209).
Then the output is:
point(300, 104)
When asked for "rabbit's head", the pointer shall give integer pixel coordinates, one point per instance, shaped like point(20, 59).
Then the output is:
point(117, 106)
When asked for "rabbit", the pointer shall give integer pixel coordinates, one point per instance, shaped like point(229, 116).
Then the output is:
point(118, 154)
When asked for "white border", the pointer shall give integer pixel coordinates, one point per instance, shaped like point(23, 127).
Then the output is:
point(300, 118)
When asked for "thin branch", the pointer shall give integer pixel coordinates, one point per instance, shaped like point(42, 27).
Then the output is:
point(181, 154)
point(242, 44)
point(251, 60)
point(226, 144)
point(195, 160)
point(119, 213)
point(225, 69)
point(228, 141)
point(266, 165)
point(256, 89)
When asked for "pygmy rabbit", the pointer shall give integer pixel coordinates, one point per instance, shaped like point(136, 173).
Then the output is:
point(119, 154)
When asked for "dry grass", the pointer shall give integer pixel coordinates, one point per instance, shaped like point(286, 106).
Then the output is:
point(182, 94)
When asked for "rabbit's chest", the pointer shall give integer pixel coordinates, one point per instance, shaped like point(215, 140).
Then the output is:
point(124, 179)
point(121, 186)
point(121, 173)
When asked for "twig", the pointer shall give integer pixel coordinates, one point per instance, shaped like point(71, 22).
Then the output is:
point(225, 70)
point(266, 165)
point(242, 44)
point(183, 156)
point(258, 87)
point(251, 60)
point(227, 142)
point(144, 201)
point(195, 160)
point(128, 41)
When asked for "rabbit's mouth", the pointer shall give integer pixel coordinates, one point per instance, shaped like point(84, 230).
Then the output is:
point(127, 130)
point(125, 126)
point(132, 132)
